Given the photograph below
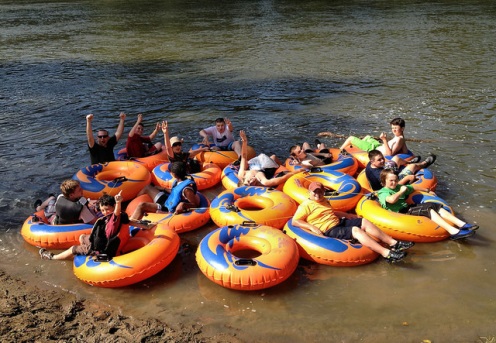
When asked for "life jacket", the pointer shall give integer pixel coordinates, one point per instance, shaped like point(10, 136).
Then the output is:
point(176, 194)
point(99, 241)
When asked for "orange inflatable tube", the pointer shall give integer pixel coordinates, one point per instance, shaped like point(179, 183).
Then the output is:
point(149, 162)
point(404, 226)
point(183, 222)
point(247, 257)
point(264, 206)
point(145, 254)
point(112, 178)
point(208, 177)
point(38, 232)
point(327, 250)
point(342, 191)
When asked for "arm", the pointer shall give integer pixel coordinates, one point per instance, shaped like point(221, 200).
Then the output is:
point(307, 226)
point(89, 131)
point(243, 166)
point(118, 204)
point(120, 127)
point(276, 181)
point(193, 201)
point(387, 149)
point(168, 146)
point(193, 153)
point(133, 130)
point(392, 199)
point(204, 134)
point(154, 133)
point(229, 124)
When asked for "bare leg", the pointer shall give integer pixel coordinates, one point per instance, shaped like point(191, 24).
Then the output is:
point(64, 255)
point(237, 148)
point(369, 242)
point(142, 208)
point(45, 203)
point(448, 216)
point(436, 218)
point(150, 190)
point(305, 146)
point(374, 231)
point(346, 143)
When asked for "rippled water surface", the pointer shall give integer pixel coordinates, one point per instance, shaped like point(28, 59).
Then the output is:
point(284, 71)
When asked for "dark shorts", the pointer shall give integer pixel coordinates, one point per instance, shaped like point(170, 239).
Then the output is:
point(344, 229)
point(226, 148)
point(160, 200)
point(423, 210)
point(84, 248)
point(269, 172)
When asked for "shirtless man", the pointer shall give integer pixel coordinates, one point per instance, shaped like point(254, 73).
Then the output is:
point(395, 146)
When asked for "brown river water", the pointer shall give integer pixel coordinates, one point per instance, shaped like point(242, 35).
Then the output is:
point(284, 71)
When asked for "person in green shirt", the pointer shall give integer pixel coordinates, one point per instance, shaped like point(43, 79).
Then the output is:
point(393, 197)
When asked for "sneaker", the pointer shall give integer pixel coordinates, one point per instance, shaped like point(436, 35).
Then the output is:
point(402, 245)
point(317, 143)
point(462, 234)
point(395, 256)
point(429, 160)
point(236, 163)
point(37, 203)
point(45, 254)
point(416, 159)
point(344, 152)
point(468, 226)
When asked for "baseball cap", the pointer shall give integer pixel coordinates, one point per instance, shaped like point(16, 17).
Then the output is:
point(316, 185)
point(175, 139)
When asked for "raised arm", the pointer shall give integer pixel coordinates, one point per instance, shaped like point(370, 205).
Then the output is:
point(120, 127)
point(229, 124)
point(243, 165)
point(118, 204)
point(89, 131)
point(168, 146)
point(138, 122)
point(154, 133)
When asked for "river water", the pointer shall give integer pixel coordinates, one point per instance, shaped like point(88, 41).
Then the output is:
point(284, 71)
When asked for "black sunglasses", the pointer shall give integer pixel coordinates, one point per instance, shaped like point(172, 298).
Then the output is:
point(104, 136)
point(177, 144)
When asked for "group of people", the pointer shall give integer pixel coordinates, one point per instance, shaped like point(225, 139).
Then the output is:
point(391, 180)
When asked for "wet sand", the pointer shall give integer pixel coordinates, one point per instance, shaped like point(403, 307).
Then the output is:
point(29, 313)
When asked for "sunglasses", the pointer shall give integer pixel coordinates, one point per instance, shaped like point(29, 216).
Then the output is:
point(177, 144)
point(104, 136)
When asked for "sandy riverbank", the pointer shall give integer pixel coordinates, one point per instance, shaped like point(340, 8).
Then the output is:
point(31, 314)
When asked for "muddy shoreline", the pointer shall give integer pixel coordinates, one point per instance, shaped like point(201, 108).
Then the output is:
point(31, 314)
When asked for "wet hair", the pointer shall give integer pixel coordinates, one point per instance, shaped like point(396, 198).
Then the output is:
point(220, 120)
point(106, 132)
point(106, 200)
point(179, 169)
point(397, 121)
point(69, 186)
point(374, 153)
point(141, 124)
point(384, 175)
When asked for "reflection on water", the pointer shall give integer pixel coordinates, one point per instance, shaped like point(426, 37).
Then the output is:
point(283, 71)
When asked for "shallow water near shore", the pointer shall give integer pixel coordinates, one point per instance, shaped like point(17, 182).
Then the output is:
point(284, 71)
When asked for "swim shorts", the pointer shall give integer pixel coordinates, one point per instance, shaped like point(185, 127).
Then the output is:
point(368, 143)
